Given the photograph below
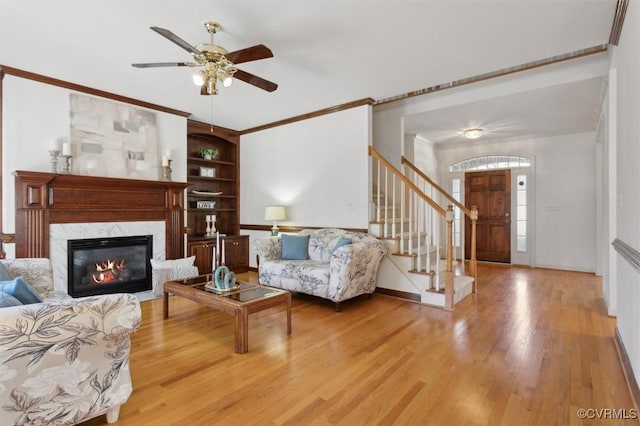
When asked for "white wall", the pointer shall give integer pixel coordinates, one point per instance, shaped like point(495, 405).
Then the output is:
point(565, 193)
point(318, 168)
point(626, 66)
point(34, 113)
point(426, 158)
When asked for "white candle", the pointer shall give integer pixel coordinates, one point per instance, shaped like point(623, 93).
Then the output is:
point(165, 161)
point(54, 145)
point(217, 243)
point(223, 262)
point(66, 148)
point(167, 153)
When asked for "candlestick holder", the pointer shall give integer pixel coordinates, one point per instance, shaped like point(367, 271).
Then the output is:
point(66, 164)
point(54, 159)
point(166, 171)
point(213, 225)
point(210, 227)
point(207, 226)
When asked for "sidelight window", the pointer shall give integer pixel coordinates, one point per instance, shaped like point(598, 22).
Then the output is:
point(521, 213)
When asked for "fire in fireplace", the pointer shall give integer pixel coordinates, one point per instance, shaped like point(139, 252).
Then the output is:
point(109, 265)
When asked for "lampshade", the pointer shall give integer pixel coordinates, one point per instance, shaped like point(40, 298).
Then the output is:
point(275, 213)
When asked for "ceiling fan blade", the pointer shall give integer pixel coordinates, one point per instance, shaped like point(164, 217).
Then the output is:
point(177, 40)
point(165, 64)
point(252, 53)
point(255, 80)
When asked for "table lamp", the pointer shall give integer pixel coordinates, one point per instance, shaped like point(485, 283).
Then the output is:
point(274, 213)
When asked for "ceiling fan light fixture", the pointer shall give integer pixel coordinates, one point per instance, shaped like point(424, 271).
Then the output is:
point(218, 64)
point(474, 133)
point(198, 80)
point(212, 88)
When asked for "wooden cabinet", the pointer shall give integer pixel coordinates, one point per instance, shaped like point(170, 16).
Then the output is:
point(214, 190)
point(236, 252)
point(203, 251)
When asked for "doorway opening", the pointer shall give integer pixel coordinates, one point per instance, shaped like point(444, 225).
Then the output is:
point(504, 224)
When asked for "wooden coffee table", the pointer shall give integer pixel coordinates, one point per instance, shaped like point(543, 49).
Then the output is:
point(247, 299)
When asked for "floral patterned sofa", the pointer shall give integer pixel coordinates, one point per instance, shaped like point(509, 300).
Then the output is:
point(64, 360)
point(337, 275)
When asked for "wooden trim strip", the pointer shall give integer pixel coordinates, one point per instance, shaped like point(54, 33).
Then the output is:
point(500, 73)
point(325, 111)
point(399, 294)
point(618, 20)
point(627, 370)
point(285, 228)
point(85, 89)
point(629, 253)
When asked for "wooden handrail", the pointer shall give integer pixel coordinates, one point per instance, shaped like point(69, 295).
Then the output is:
point(442, 191)
point(403, 178)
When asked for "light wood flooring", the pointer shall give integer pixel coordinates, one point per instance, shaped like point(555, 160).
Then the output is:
point(530, 348)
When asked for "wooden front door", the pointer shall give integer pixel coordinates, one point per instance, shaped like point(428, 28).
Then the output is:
point(491, 193)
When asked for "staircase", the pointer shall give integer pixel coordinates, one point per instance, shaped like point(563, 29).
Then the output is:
point(414, 217)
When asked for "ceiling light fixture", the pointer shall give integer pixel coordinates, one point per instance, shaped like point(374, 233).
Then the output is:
point(215, 72)
point(473, 133)
point(217, 67)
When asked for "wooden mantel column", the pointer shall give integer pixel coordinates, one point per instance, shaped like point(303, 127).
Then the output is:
point(46, 198)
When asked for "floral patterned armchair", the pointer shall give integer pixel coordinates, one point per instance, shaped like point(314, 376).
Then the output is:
point(332, 273)
point(65, 360)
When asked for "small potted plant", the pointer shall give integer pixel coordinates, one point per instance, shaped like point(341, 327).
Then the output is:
point(209, 153)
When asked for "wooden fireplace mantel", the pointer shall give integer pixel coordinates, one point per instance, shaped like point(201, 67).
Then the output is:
point(46, 198)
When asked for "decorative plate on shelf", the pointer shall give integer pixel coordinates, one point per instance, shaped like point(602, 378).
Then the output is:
point(210, 194)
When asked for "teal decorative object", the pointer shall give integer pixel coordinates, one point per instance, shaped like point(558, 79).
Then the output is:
point(220, 277)
point(230, 280)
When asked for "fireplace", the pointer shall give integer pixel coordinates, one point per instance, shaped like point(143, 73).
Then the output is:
point(109, 265)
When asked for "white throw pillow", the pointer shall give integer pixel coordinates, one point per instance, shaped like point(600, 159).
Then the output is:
point(173, 263)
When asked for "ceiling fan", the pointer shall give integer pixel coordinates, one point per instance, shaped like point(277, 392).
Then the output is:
point(217, 64)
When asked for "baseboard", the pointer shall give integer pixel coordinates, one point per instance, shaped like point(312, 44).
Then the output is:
point(630, 378)
point(399, 294)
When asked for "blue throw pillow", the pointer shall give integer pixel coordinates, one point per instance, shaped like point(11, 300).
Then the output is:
point(343, 241)
point(21, 291)
point(4, 273)
point(295, 247)
point(7, 300)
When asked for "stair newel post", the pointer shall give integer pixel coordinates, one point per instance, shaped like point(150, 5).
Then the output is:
point(411, 196)
point(378, 191)
point(448, 288)
point(385, 228)
point(403, 190)
point(473, 262)
point(393, 206)
point(419, 235)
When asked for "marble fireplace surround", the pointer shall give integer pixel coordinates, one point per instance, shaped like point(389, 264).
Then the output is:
point(52, 208)
point(61, 233)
